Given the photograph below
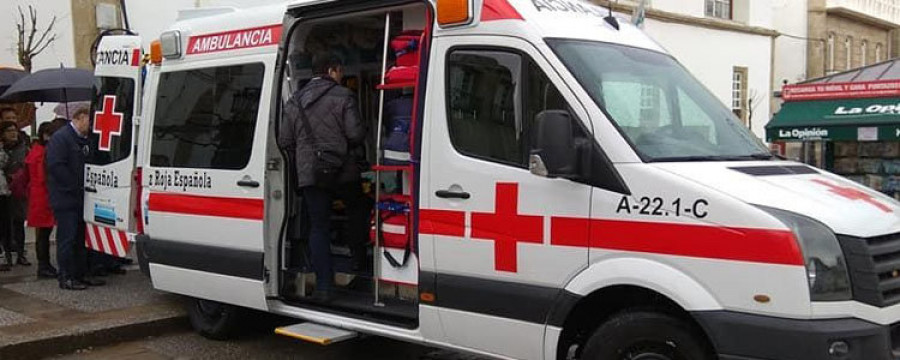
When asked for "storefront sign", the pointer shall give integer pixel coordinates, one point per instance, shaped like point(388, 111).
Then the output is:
point(803, 134)
point(829, 91)
point(871, 109)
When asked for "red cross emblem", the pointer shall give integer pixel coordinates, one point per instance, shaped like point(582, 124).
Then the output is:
point(853, 194)
point(507, 228)
point(107, 122)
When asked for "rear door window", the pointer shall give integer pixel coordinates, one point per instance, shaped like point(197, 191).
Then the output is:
point(206, 118)
point(112, 109)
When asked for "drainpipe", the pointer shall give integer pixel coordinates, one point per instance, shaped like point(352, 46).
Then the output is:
point(125, 15)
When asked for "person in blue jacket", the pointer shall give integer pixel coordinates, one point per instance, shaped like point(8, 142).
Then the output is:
point(66, 153)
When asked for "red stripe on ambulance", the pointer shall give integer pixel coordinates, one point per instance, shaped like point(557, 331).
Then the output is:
point(234, 40)
point(238, 208)
point(507, 228)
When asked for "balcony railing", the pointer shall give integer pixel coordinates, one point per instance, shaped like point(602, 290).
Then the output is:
point(884, 10)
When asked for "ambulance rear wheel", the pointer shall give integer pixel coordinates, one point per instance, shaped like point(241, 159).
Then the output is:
point(645, 336)
point(213, 320)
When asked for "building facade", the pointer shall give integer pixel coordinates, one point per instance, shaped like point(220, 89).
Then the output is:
point(824, 37)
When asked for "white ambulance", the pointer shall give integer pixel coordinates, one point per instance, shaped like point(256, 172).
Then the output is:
point(569, 190)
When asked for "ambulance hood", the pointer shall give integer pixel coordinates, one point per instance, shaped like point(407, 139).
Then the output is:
point(845, 206)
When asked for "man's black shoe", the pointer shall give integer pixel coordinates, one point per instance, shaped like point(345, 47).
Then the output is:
point(72, 285)
point(92, 282)
point(46, 273)
point(22, 260)
point(99, 272)
point(4, 266)
point(117, 270)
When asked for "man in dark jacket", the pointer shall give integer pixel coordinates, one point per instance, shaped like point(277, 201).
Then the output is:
point(65, 180)
point(330, 112)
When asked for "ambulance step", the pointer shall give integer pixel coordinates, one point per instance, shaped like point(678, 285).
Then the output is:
point(315, 333)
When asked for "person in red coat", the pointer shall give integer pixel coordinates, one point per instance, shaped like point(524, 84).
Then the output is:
point(40, 216)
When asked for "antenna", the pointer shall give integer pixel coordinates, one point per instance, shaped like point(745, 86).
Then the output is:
point(610, 19)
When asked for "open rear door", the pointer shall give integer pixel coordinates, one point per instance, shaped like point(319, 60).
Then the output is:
point(109, 170)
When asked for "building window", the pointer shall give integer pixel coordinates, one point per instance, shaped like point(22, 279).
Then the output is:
point(739, 93)
point(719, 8)
point(878, 49)
point(848, 52)
point(830, 50)
point(864, 57)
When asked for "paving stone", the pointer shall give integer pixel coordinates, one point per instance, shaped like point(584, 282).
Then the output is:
point(121, 291)
point(9, 318)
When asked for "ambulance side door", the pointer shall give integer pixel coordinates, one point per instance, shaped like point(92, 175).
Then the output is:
point(205, 176)
point(109, 168)
point(500, 236)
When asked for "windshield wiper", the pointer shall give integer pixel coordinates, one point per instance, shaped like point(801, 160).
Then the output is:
point(758, 156)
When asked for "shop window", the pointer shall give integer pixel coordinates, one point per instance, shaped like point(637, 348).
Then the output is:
point(878, 55)
point(205, 118)
point(721, 9)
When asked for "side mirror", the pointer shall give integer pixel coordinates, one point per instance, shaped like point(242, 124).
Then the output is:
point(554, 153)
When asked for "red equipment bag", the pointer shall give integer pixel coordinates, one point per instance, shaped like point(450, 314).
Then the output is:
point(393, 226)
point(401, 74)
point(406, 48)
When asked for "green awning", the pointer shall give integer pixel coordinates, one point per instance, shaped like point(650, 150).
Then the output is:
point(843, 120)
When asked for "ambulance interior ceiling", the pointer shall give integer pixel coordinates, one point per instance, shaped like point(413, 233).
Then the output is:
point(357, 39)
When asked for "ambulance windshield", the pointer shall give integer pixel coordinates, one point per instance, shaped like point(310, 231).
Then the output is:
point(666, 113)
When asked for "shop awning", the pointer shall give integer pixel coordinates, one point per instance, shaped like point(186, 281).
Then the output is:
point(874, 119)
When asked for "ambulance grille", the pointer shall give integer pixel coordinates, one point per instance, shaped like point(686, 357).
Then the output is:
point(874, 266)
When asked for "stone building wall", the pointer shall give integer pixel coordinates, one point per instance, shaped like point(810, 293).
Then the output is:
point(85, 30)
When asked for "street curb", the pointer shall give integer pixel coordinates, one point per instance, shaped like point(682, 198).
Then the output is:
point(68, 343)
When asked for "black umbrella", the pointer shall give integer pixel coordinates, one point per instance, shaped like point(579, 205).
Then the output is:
point(52, 85)
point(9, 76)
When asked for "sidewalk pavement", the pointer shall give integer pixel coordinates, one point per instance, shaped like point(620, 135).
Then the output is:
point(37, 319)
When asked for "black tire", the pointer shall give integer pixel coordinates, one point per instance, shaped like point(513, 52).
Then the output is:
point(643, 335)
point(213, 320)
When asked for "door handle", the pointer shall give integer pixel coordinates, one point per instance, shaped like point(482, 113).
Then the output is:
point(90, 189)
point(248, 183)
point(447, 194)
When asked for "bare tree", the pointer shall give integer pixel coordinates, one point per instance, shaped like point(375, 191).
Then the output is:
point(753, 101)
point(29, 43)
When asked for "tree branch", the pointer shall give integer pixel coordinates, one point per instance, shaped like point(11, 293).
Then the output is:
point(38, 51)
point(40, 41)
point(32, 13)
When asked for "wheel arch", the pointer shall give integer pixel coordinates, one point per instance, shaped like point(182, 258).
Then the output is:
point(611, 286)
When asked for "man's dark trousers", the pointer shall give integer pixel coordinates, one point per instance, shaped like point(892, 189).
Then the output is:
point(70, 250)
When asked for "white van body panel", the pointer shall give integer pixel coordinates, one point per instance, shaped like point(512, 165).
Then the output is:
point(210, 286)
point(814, 195)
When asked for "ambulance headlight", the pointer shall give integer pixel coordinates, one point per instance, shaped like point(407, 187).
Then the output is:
point(826, 267)
point(171, 44)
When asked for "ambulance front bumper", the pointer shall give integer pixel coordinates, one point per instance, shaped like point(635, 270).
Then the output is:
point(738, 336)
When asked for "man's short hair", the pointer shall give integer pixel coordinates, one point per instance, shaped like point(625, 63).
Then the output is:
point(81, 111)
point(6, 110)
point(325, 62)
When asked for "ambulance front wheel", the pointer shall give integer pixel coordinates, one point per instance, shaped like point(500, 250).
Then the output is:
point(213, 320)
point(642, 335)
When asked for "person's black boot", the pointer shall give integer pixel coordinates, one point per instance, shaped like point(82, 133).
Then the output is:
point(22, 260)
point(6, 266)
